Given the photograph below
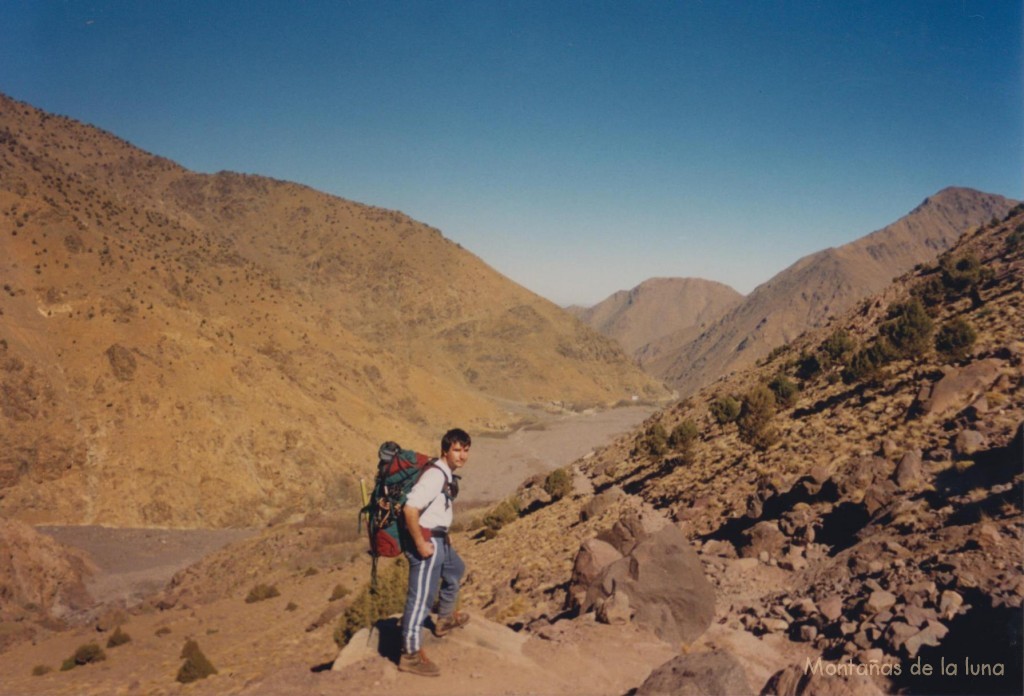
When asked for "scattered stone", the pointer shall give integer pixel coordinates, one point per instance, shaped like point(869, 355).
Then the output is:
point(763, 538)
point(698, 674)
point(908, 474)
point(614, 610)
point(770, 625)
point(831, 607)
point(950, 603)
point(968, 442)
point(807, 632)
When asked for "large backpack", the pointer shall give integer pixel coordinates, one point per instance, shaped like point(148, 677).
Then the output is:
point(397, 471)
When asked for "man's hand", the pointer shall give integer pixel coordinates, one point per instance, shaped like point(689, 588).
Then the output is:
point(425, 550)
point(412, 523)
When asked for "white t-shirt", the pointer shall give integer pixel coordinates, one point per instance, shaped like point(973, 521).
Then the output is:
point(427, 496)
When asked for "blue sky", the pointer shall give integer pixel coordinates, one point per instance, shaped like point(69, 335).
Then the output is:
point(577, 147)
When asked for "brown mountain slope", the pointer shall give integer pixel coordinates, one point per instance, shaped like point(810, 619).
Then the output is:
point(818, 286)
point(183, 349)
point(658, 308)
point(880, 520)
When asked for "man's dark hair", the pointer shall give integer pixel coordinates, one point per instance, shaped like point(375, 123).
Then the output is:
point(455, 435)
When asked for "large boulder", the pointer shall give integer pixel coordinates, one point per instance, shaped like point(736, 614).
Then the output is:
point(591, 560)
point(698, 674)
point(665, 585)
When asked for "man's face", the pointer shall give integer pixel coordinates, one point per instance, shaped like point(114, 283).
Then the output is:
point(456, 455)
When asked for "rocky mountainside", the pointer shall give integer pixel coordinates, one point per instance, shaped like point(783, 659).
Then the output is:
point(819, 523)
point(179, 349)
point(820, 286)
point(675, 310)
point(858, 496)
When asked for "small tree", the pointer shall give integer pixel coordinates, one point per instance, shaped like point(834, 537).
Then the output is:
point(955, 339)
point(683, 435)
point(785, 390)
point(908, 330)
point(558, 484)
point(196, 666)
point(725, 409)
point(758, 409)
point(654, 440)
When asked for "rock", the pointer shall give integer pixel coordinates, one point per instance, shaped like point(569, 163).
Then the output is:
point(950, 603)
point(742, 565)
point(878, 601)
point(958, 386)
point(968, 442)
point(908, 475)
point(932, 635)
point(897, 634)
point(807, 632)
point(796, 680)
point(715, 547)
point(763, 537)
point(630, 529)
point(664, 580)
point(698, 674)
point(592, 558)
point(602, 502)
point(614, 610)
point(802, 608)
point(770, 625)
point(831, 607)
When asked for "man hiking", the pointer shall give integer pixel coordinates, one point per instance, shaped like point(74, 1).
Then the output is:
point(433, 564)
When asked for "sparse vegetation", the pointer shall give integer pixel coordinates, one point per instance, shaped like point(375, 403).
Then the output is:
point(784, 389)
point(291, 606)
point(725, 409)
point(85, 655)
point(196, 666)
point(653, 441)
point(558, 483)
point(955, 339)
point(162, 631)
point(371, 605)
point(683, 435)
point(907, 332)
point(40, 670)
point(504, 512)
point(757, 411)
point(118, 637)
point(339, 592)
point(261, 592)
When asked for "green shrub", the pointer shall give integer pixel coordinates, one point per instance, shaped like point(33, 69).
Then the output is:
point(784, 389)
point(369, 606)
point(196, 665)
point(930, 292)
point(683, 435)
point(1015, 240)
point(504, 512)
point(40, 670)
point(755, 415)
point(84, 655)
point(162, 631)
point(808, 366)
point(118, 637)
point(838, 347)
point(908, 330)
point(339, 592)
point(654, 440)
point(725, 409)
point(955, 339)
point(310, 572)
point(262, 592)
point(558, 484)
point(962, 274)
point(291, 606)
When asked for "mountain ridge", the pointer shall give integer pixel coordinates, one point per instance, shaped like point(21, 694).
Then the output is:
point(183, 349)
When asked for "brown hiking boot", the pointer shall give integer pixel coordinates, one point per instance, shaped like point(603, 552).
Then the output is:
point(446, 624)
point(417, 663)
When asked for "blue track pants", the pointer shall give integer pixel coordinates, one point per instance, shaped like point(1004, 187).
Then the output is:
point(442, 571)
